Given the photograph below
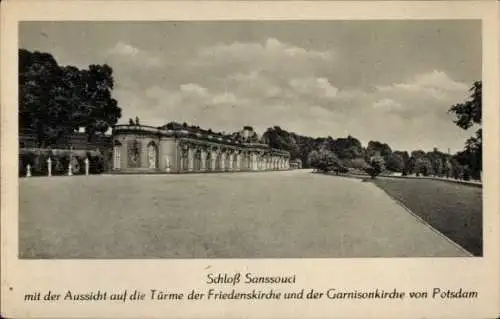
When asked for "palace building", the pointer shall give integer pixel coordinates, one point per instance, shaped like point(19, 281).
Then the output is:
point(176, 148)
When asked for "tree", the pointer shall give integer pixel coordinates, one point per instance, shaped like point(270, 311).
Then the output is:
point(376, 148)
point(131, 122)
point(469, 112)
point(376, 166)
point(467, 115)
point(325, 160)
point(406, 159)
point(313, 159)
point(423, 166)
point(56, 101)
point(395, 162)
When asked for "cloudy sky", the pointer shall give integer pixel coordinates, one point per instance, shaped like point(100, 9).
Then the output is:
point(391, 81)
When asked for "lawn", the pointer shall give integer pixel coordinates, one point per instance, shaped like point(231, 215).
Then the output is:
point(453, 209)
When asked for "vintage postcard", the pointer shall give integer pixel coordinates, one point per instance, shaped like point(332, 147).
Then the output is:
point(250, 159)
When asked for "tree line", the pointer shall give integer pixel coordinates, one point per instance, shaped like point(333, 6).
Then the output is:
point(342, 154)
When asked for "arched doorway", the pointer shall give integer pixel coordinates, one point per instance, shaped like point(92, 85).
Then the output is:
point(227, 160)
point(117, 155)
point(197, 160)
point(235, 160)
point(209, 161)
point(152, 155)
point(218, 161)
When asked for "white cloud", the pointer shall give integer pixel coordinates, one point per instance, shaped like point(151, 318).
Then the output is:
point(193, 89)
point(387, 105)
point(273, 56)
point(271, 49)
point(126, 53)
point(436, 84)
point(319, 87)
point(303, 101)
point(121, 48)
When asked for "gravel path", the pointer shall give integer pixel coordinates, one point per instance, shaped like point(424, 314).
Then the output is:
point(242, 215)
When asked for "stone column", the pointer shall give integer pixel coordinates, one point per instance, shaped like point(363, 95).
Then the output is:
point(253, 157)
point(230, 155)
point(222, 161)
point(190, 159)
point(203, 164)
point(49, 166)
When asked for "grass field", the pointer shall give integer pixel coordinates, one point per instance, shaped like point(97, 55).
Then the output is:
point(289, 214)
point(453, 209)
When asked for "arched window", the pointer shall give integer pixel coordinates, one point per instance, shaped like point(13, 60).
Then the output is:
point(218, 161)
point(235, 160)
point(152, 155)
point(227, 160)
point(197, 160)
point(117, 155)
point(134, 153)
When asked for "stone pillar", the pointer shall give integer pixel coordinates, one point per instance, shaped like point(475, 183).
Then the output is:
point(190, 159)
point(49, 166)
point(230, 167)
point(203, 164)
point(223, 161)
point(86, 166)
point(253, 156)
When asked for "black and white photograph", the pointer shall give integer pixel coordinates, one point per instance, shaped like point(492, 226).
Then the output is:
point(249, 159)
point(250, 139)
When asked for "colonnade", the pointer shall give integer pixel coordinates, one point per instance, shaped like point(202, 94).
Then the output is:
point(200, 158)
